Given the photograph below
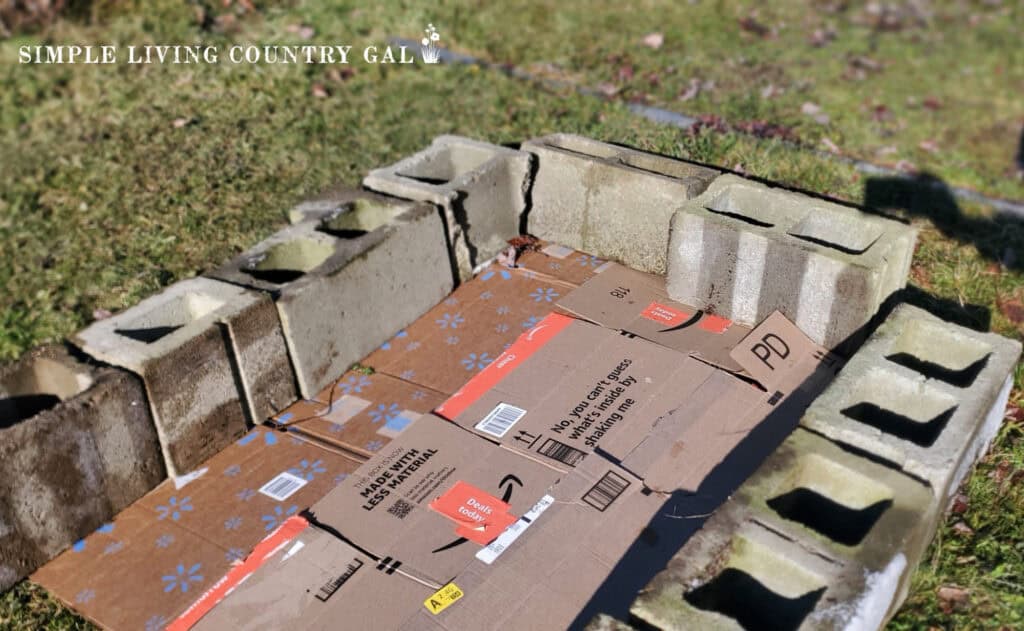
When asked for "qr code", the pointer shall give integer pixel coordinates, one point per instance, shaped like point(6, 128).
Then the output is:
point(400, 509)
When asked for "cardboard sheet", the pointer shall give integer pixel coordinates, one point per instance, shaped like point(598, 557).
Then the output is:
point(360, 413)
point(635, 302)
point(152, 561)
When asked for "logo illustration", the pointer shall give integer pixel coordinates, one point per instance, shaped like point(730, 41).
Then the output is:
point(507, 484)
point(429, 47)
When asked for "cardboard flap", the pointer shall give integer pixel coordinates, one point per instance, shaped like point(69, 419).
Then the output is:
point(638, 303)
point(776, 352)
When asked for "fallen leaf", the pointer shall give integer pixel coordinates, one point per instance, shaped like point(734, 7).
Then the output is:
point(814, 111)
point(1001, 470)
point(952, 598)
point(319, 91)
point(306, 32)
point(932, 102)
point(829, 145)
point(691, 92)
point(752, 25)
point(624, 73)
point(771, 91)
point(887, 150)
point(1012, 308)
point(929, 146)
point(821, 37)
point(906, 166)
point(178, 123)
point(101, 314)
point(880, 112)
point(654, 40)
point(960, 504)
point(608, 89)
point(962, 529)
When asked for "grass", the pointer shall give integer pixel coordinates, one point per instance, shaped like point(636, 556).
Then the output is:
point(118, 180)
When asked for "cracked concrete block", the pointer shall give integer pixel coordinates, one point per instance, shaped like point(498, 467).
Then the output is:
point(77, 444)
point(345, 280)
point(922, 393)
point(212, 357)
point(480, 187)
point(743, 250)
point(610, 201)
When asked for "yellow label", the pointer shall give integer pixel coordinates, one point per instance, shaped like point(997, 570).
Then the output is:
point(443, 597)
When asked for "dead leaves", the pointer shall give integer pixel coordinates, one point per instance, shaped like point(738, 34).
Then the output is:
point(953, 598)
point(653, 40)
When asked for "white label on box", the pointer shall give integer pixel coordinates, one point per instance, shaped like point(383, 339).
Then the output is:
point(557, 251)
point(282, 486)
point(501, 419)
point(494, 549)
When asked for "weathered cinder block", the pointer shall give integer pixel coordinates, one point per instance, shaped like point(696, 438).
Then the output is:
point(743, 250)
point(925, 394)
point(869, 522)
point(608, 200)
point(77, 444)
point(212, 356)
point(346, 279)
point(480, 187)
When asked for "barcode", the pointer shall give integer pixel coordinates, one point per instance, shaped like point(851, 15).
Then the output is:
point(400, 508)
point(327, 590)
point(606, 491)
point(561, 452)
point(282, 486)
point(501, 419)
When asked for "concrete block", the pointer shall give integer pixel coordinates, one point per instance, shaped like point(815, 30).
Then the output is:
point(604, 622)
point(743, 250)
point(212, 357)
point(924, 394)
point(77, 444)
point(608, 200)
point(739, 575)
point(345, 281)
point(480, 187)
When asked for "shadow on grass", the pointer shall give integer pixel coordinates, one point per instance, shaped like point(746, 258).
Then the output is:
point(998, 238)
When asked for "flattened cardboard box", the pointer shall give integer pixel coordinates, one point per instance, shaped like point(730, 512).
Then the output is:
point(385, 507)
point(563, 263)
point(569, 387)
point(144, 568)
point(636, 302)
point(458, 338)
point(360, 413)
point(574, 537)
point(307, 579)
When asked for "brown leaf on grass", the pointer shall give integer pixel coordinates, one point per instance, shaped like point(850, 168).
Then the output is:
point(771, 91)
point(932, 103)
point(319, 91)
point(654, 40)
point(906, 166)
point(178, 123)
point(750, 24)
point(1012, 308)
point(822, 36)
point(960, 504)
point(880, 112)
point(624, 73)
point(608, 89)
point(100, 314)
point(814, 111)
point(341, 75)
point(999, 473)
point(764, 129)
point(952, 598)
point(691, 92)
point(928, 145)
point(1014, 414)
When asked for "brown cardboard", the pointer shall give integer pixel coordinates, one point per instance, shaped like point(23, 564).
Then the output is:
point(575, 387)
point(384, 508)
point(149, 564)
point(360, 413)
point(456, 339)
point(316, 581)
point(687, 444)
point(563, 263)
point(544, 577)
point(636, 302)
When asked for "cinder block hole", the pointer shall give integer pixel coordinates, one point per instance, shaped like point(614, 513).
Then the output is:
point(161, 321)
point(738, 595)
point(831, 499)
point(583, 146)
point(358, 218)
point(910, 410)
point(743, 205)
point(760, 587)
point(289, 261)
point(442, 164)
point(938, 352)
point(837, 231)
point(37, 386)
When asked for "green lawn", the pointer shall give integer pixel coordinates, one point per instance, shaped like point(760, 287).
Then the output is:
point(118, 180)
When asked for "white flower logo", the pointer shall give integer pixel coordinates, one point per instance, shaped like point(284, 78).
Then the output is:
point(429, 47)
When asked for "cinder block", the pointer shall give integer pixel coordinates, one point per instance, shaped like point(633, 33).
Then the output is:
point(346, 280)
point(604, 622)
point(924, 394)
point(608, 200)
point(743, 250)
point(77, 444)
point(212, 356)
point(480, 187)
point(739, 575)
